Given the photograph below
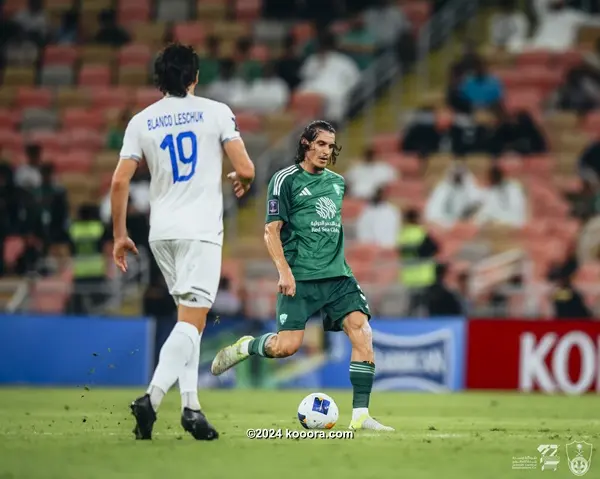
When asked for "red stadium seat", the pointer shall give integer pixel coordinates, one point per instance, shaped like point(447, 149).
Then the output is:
point(82, 118)
point(28, 97)
point(352, 208)
point(408, 165)
point(8, 119)
point(111, 97)
point(11, 140)
point(65, 55)
point(303, 32)
point(49, 140)
point(260, 53)
point(192, 33)
point(540, 58)
point(385, 143)
point(307, 105)
point(248, 122)
point(146, 96)
point(133, 12)
point(86, 139)
point(247, 10)
point(135, 55)
point(13, 248)
point(95, 75)
point(75, 161)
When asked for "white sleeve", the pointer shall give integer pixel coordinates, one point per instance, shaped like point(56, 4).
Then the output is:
point(132, 147)
point(228, 127)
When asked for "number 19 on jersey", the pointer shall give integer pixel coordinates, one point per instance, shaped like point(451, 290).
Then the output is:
point(177, 153)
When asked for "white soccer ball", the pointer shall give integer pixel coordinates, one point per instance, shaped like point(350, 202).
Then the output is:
point(318, 411)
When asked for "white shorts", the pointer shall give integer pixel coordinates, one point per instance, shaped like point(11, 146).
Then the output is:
point(192, 270)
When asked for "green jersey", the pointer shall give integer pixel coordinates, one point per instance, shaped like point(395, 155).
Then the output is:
point(310, 206)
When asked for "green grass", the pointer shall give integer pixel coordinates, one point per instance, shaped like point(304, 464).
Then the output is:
point(86, 434)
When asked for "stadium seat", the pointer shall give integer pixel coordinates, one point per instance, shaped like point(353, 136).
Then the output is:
point(86, 139)
point(8, 119)
point(81, 118)
point(11, 140)
point(173, 10)
point(95, 76)
point(248, 122)
point(407, 165)
point(135, 55)
point(57, 76)
point(307, 105)
point(38, 119)
point(50, 295)
point(146, 96)
point(151, 34)
point(385, 143)
point(13, 248)
point(60, 55)
point(189, 32)
point(33, 98)
point(303, 32)
point(133, 76)
point(111, 97)
point(211, 9)
point(18, 76)
point(352, 208)
point(133, 12)
point(247, 10)
point(74, 161)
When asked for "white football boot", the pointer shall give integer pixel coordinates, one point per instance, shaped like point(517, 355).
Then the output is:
point(231, 355)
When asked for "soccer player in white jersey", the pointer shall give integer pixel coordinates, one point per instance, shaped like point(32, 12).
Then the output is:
point(182, 138)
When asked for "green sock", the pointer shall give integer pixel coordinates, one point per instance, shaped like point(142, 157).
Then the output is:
point(257, 345)
point(361, 377)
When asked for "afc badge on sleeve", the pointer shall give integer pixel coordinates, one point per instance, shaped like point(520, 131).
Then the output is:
point(273, 207)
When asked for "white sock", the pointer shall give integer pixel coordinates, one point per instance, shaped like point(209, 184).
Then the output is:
point(174, 355)
point(188, 381)
point(359, 411)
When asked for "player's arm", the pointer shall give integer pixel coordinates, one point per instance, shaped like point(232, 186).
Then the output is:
point(278, 210)
point(235, 149)
point(287, 283)
point(131, 154)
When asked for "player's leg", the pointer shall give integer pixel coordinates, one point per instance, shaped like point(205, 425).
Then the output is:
point(291, 313)
point(348, 310)
point(179, 350)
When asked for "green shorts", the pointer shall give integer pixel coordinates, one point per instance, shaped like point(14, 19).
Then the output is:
point(334, 297)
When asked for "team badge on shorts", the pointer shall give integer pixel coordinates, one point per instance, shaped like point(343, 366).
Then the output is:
point(273, 207)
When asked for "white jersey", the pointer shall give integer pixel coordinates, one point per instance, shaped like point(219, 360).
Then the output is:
point(181, 140)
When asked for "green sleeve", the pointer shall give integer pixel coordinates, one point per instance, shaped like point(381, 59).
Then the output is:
point(278, 200)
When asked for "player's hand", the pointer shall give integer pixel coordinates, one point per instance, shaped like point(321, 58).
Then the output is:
point(120, 249)
point(287, 283)
point(239, 188)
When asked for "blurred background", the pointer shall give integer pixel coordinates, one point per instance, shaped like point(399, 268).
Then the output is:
point(470, 149)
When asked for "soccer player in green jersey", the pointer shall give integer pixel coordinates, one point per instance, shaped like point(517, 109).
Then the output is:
point(304, 236)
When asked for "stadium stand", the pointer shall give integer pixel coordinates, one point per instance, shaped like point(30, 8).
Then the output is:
point(73, 76)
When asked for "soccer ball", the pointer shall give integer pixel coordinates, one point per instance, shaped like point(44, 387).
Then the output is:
point(318, 411)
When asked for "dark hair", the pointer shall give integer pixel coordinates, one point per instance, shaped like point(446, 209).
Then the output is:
point(310, 134)
point(175, 69)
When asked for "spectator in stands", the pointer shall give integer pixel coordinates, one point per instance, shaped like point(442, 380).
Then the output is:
point(369, 175)
point(68, 33)
point(226, 303)
point(516, 133)
point(469, 61)
point(248, 69)
point(20, 49)
point(28, 176)
point(33, 21)
point(503, 202)
point(421, 135)
point(557, 25)
point(379, 222)
point(456, 198)
point(509, 27)
point(455, 98)
point(579, 93)
point(116, 131)
point(387, 23)
point(440, 300)
point(268, 93)
point(359, 42)
point(589, 164)
point(29, 260)
point(288, 65)
point(482, 89)
point(228, 88)
point(87, 242)
point(568, 302)
point(417, 250)
point(331, 74)
point(208, 70)
point(53, 201)
point(110, 32)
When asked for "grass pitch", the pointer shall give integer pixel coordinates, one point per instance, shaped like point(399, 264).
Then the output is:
point(86, 434)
